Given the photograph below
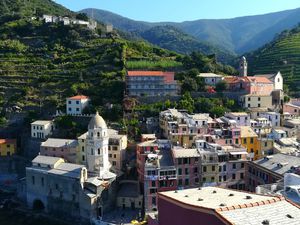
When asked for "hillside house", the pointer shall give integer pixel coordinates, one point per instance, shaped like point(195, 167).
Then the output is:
point(76, 104)
point(211, 78)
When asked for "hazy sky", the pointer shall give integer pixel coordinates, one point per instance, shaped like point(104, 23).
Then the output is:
point(182, 10)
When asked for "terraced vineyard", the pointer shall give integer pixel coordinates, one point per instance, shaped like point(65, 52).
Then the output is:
point(283, 54)
point(42, 64)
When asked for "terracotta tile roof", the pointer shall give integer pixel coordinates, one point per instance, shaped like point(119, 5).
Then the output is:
point(168, 76)
point(79, 97)
point(259, 80)
point(8, 141)
point(149, 73)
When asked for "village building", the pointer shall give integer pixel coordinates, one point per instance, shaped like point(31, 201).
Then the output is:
point(211, 78)
point(270, 169)
point(151, 83)
point(219, 206)
point(61, 148)
point(76, 104)
point(8, 147)
point(65, 190)
point(42, 129)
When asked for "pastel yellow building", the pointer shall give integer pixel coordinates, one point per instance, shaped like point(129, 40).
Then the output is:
point(8, 147)
point(249, 140)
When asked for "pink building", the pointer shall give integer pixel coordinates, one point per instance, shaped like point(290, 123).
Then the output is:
point(62, 148)
point(250, 85)
point(187, 162)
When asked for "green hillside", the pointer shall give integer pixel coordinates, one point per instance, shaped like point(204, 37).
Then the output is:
point(282, 54)
point(32, 7)
point(172, 38)
point(41, 64)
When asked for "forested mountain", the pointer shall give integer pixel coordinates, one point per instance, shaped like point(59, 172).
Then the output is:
point(237, 35)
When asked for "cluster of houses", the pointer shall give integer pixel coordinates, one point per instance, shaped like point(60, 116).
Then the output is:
point(91, 24)
point(251, 92)
point(194, 166)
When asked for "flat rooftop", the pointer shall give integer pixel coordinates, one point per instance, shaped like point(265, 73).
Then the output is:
point(214, 198)
point(237, 207)
point(59, 143)
point(41, 122)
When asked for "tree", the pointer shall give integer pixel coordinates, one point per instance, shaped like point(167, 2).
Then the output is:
point(187, 102)
point(82, 16)
point(189, 84)
point(221, 86)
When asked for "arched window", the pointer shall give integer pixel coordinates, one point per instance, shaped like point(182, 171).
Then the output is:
point(98, 151)
point(98, 134)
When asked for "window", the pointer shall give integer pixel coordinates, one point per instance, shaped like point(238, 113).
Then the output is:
point(70, 109)
point(33, 180)
point(186, 171)
point(245, 140)
point(195, 169)
point(242, 165)
point(69, 102)
point(266, 144)
point(258, 98)
point(179, 171)
point(233, 176)
point(82, 148)
point(180, 182)
point(98, 134)
point(204, 179)
point(83, 158)
point(233, 166)
point(242, 176)
point(98, 151)
point(115, 156)
point(212, 179)
point(224, 178)
point(251, 140)
point(77, 109)
point(236, 141)
point(220, 178)
point(249, 105)
point(77, 102)
point(204, 169)
point(56, 186)
point(153, 200)
point(186, 182)
point(258, 105)
point(114, 163)
point(213, 168)
point(153, 184)
point(224, 168)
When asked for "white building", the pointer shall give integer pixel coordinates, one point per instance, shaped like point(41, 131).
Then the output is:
point(42, 128)
point(76, 104)
point(97, 148)
point(211, 78)
point(48, 18)
point(241, 118)
point(277, 134)
point(273, 117)
point(65, 190)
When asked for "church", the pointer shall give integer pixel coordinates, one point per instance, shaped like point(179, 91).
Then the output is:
point(80, 192)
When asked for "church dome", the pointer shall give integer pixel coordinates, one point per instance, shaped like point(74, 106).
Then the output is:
point(97, 122)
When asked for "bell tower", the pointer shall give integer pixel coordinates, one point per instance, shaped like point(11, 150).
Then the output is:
point(243, 67)
point(97, 146)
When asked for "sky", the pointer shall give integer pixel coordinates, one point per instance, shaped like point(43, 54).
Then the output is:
point(183, 10)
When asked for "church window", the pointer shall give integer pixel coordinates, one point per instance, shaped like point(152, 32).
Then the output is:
point(98, 134)
point(98, 151)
